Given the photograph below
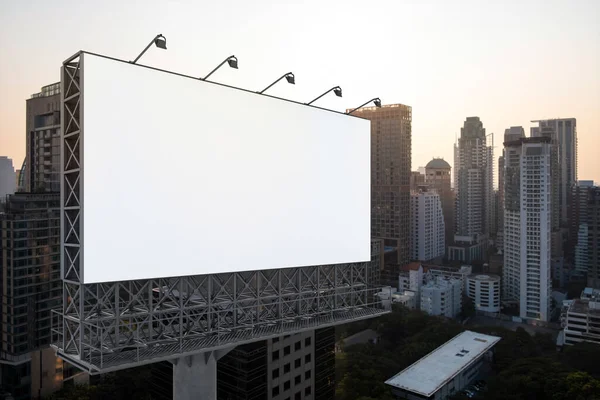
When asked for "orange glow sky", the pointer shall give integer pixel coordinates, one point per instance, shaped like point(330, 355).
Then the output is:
point(507, 62)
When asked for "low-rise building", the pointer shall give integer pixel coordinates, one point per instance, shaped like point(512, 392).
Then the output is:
point(484, 290)
point(407, 298)
point(445, 371)
point(389, 296)
point(412, 277)
point(581, 318)
point(442, 296)
point(450, 272)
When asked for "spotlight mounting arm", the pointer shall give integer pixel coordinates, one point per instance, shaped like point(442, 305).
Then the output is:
point(289, 76)
point(158, 44)
point(376, 100)
point(231, 60)
point(336, 89)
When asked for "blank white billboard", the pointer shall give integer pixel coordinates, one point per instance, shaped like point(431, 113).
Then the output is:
point(184, 177)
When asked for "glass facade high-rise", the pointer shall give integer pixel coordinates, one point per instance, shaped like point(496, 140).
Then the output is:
point(390, 183)
point(474, 215)
point(30, 259)
point(31, 288)
point(299, 366)
point(585, 231)
point(438, 177)
point(43, 140)
point(565, 131)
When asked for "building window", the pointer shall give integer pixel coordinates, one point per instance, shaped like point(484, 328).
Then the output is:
point(298, 396)
point(307, 375)
point(307, 358)
point(297, 345)
point(286, 368)
point(307, 341)
point(287, 385)
point(275, 391)
point(286, 350)
point(275, 373)
point(308, 391)
point(275, 355)
point(297, 380)
point(297, 363)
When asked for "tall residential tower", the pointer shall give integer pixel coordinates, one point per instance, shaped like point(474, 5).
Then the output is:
point(30, 282)
point(474, 197)
point(437, 177)
point(427, 225)
point(565, 130)
point(390, 182)
point(527, 224)
point(585, 231)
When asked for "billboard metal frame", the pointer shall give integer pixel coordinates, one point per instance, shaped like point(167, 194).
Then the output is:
point(103, 327)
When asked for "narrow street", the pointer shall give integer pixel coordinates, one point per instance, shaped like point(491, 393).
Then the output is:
point(531, 329)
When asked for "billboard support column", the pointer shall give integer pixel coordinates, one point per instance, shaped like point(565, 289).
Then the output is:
point(195, 377)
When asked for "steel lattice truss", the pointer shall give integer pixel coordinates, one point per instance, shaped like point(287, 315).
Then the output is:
point(109, 326)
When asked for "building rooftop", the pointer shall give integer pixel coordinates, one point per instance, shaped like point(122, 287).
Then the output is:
point(438, 163)
point(585, 307)
point(485, 277)
point(48, 90)
point(430, 373)
point(413, 266)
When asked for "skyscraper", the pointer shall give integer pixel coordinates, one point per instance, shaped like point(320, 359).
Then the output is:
point(565, 130)
point(585, 221)
point(474, 198)
point(456, 164)
point(427, 227)
point(31, 288)
point(417, 179)
point(8, 181)
point(390, 182)
point(30, 259)
point(500, 204)
point(43, 140)
point(527, 224)
point(437, 176)
point(511, 213)
point(300, 366)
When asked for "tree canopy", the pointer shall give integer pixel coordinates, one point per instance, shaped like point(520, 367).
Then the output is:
point(525, 366)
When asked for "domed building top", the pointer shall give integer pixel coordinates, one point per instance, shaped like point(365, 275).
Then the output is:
point(438, 163)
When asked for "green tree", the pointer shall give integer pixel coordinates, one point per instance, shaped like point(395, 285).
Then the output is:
point(468, 308)
point(583, 356)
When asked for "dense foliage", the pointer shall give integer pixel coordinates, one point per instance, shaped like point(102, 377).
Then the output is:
point(405, 336)
point(525, 366)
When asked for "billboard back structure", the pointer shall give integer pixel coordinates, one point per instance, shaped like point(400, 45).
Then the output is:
point(184, 177)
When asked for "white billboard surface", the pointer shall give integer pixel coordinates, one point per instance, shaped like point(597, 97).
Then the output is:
point(184, 177)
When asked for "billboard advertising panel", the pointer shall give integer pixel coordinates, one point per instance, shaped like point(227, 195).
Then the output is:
point(184, 177)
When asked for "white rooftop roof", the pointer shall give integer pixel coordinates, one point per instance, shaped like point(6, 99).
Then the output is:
point(431, 372)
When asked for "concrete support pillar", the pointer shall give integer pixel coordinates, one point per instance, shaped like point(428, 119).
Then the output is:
point(195, 377)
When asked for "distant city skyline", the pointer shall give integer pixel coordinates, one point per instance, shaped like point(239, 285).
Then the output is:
point(507, 63)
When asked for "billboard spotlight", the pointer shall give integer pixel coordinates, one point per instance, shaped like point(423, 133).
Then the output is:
point(288, 77)
point(376, 100)
point(231, 60)
point(160, 41)
point(337, 90)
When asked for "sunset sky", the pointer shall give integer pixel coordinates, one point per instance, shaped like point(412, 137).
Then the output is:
point(508, 62)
